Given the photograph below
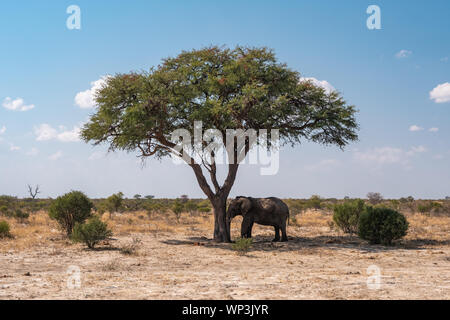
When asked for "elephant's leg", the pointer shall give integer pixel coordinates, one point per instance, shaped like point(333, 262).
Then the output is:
point(277, 234)
point(249, 230)
point(283, 232)
point(245, 227)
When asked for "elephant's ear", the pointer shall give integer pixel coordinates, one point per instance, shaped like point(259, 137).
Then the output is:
point(246, 205)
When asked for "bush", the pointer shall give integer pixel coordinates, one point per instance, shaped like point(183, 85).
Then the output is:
point(132, 247)
point(177, 209)
point(374, 197)
point(315, 202)
point(191, 207)
point(242, 245)
point(115, 202)
point(346, 215)
point(4, 230)
point(70, 209)
point(91, 232)
point(21, 215)
point(382, 225)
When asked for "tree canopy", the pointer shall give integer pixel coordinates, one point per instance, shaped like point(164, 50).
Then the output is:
point(241, 88)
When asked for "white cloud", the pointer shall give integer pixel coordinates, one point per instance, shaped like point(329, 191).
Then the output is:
point(46, 132)
point(403, 54)
point(323, 165)
point(387, 155)
point(86, 99)
point(441, 93)
point(2, 130)
point(434, 129)
point(320, 83)
point(415, 128)
point(70, 136)
point(33, 152)
point(415, 150)
point(12, 147)
point(16, 105)
point(56, 156)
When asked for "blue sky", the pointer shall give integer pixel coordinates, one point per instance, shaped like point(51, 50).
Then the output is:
point(388, 74)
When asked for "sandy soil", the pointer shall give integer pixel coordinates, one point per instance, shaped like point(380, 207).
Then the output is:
point(179, 261)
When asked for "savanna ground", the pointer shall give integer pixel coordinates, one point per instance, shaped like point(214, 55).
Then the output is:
point(157, 258)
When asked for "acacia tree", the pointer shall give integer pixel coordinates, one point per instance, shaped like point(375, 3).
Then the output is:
point(242, 88)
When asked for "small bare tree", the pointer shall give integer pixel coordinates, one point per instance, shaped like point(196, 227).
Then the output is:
point(374, 197)
point(35, 192)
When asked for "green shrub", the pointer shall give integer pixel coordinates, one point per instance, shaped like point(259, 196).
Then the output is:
point(4, 229)
point(69, 209)
point(91, 232)
point(21, 215)
point(204, 209)
point(177, 209)
point(382, 225)
point(115, 202)
point(4, 210)
point(346, 215)
point(424, 208)
point(315, 202)
point(191, 207)
point(242, 245)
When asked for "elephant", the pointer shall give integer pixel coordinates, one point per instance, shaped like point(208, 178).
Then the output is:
point(265, 211)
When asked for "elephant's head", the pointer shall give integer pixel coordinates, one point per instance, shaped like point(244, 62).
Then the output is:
point(238, 206)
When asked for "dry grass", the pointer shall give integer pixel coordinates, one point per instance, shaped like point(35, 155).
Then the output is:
point(179, 261)
point(40, 230)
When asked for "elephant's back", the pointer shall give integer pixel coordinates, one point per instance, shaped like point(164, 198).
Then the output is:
point(275, 204)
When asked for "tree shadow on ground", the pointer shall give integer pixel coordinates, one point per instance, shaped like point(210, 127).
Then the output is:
point(264, 243)
point(102, 248)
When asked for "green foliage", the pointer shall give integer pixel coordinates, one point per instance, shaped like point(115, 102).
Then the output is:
point(242, 245)
point(429, 206)
point(8, 205)
point(69, 209)
point(177, 209)
point(382, 225)
point(424, 208)
point(4, 210)
point(346, 215)
point(91, 232)
point(295, 206)
point(315, 202)
point(225, 89)
point(4, 230)
point(21, 215)
point(191, 207)
point(115, 202)
point(204, 206)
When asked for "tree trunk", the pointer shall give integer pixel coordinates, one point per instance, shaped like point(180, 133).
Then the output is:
point(221, 225)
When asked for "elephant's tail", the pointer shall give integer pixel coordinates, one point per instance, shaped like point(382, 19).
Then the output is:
point(289, 216)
